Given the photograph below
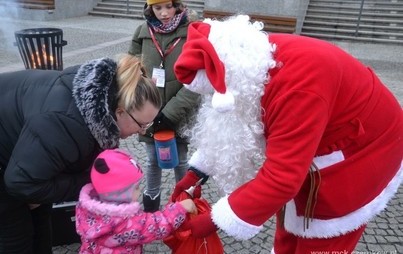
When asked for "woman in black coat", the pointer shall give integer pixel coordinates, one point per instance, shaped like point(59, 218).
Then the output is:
point(52, 126)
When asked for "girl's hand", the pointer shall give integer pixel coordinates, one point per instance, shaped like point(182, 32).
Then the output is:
point(189, 206)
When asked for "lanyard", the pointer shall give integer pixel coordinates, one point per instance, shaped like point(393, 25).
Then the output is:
point(157, 45)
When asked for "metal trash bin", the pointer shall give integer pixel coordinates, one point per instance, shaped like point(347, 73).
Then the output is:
point(41, 48)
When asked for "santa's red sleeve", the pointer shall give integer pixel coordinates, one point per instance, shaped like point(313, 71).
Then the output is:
point(291, 147)
point(317, 96)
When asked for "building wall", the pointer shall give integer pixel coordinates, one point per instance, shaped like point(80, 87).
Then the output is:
point(292, 8)
point(63, 9)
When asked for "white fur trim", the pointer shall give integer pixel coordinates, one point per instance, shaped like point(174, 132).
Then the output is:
point(223, 102)
point(201, 84)
point(227, 220)
point(247, 56)
point(328, 160)
point(197, 161)
point(89, 201)
point(272, 251)
point(342, 225)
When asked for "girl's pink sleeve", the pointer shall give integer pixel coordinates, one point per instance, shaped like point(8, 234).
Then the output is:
point(129, 232)
point(160, 224)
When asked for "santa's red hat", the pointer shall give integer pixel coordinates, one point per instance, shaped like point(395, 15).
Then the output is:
point(198, 53)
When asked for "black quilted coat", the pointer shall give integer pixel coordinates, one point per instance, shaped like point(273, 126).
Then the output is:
point(52, 126)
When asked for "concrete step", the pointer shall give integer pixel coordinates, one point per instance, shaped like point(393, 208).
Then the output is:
point(327, 36)
point(352, 31)
point(381, 20)
point(351, 19)
point(319, 24)
point(358, 2)
point(140, 4)
point(355, 13)
point(315, 6)
point(133, 8)
point(113, 10)
point(116, 15)
point(120, 5)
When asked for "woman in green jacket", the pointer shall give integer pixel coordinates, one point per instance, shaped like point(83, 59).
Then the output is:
point(159, 41)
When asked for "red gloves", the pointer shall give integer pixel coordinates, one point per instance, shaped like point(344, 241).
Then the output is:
point(201, 225)
point(189, 180)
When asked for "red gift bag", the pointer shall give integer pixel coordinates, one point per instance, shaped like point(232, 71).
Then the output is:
point(182, 241)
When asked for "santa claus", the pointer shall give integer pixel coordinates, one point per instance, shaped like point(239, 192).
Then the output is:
point(289, 125)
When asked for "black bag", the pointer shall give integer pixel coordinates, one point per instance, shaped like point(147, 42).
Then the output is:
point(64, 224)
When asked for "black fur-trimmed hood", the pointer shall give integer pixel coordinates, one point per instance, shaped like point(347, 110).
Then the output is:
point(94, 91)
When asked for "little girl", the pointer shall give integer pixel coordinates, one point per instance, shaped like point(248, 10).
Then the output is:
point(109, 219)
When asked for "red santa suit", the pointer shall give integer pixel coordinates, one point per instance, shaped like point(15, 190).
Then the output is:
point(332, 131)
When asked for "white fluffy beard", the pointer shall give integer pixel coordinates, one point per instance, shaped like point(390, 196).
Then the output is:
point(231, 145)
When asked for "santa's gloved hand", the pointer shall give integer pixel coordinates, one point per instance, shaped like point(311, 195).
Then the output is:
point(190, 179)
point(201, 225)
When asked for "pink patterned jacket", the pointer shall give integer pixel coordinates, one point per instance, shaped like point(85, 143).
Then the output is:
point(109, 228)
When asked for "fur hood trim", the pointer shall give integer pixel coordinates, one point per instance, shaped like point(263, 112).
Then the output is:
point(89, 201)
point(94, 88)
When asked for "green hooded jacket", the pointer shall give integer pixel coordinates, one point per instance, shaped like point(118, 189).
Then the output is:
point(178, 102)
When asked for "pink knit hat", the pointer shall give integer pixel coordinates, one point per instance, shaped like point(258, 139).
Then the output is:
point(114, 176)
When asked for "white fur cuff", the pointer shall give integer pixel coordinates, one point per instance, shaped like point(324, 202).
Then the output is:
point(196, 161)
point(341, 225)
point(227, 220)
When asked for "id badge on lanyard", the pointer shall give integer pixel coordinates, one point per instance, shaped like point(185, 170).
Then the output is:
point(158, 75)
